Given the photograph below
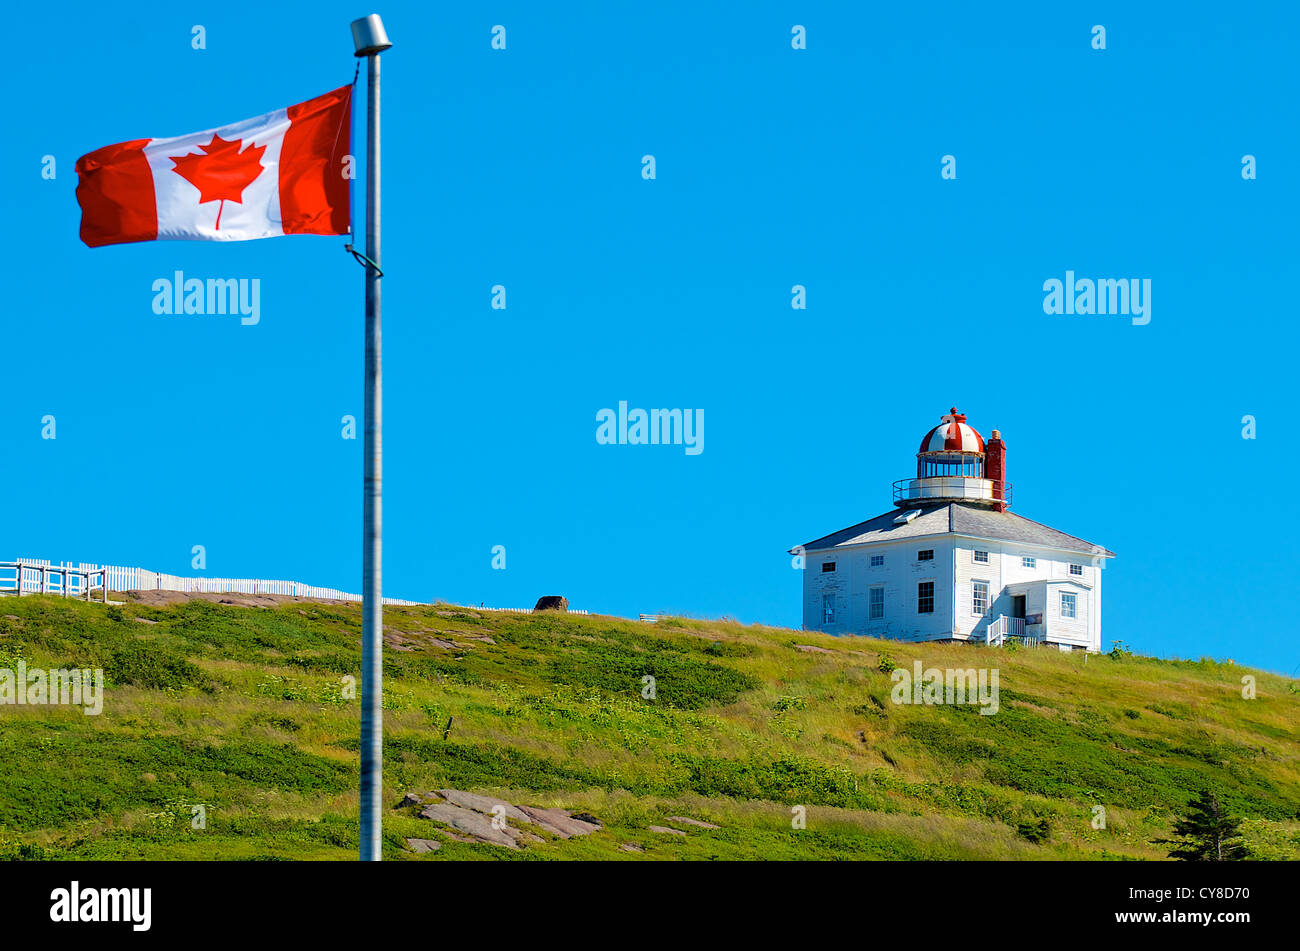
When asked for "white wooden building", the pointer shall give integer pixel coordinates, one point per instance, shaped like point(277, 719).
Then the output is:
point(951, 563)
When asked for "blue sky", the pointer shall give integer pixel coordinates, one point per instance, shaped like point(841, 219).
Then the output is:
point(774, 167)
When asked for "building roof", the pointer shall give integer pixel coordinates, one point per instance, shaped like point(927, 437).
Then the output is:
point(955, 518)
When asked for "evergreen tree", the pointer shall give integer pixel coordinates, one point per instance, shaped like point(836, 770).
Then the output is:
point(1207, 833)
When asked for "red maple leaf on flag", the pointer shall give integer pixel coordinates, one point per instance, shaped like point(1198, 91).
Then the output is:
point(222, 172)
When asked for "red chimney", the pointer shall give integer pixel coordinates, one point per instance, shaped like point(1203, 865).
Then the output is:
point(995, 468)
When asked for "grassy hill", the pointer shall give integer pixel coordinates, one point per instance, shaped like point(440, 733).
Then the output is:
point(243, 710)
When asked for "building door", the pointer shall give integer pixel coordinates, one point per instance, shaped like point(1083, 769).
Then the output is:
point(1018, 605)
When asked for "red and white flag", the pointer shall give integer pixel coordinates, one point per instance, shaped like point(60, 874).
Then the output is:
point(281, 173)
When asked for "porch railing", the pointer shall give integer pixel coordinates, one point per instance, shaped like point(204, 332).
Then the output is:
point(1003, 628)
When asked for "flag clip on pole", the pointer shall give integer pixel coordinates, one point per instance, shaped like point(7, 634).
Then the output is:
point(370, 40)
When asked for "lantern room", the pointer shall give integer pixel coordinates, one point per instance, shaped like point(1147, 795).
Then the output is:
point(954, 464)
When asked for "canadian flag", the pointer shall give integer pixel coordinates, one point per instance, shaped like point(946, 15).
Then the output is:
point(282, 173)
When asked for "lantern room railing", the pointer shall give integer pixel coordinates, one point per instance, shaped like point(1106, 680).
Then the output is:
point(937, 488)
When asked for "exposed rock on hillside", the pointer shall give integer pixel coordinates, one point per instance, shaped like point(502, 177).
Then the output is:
point(470, 817)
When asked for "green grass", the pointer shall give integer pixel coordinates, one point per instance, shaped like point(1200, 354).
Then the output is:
point(246, 714)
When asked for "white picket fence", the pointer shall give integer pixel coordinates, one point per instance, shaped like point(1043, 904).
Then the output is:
point(40, 575)
point(24, 576)
point(67, 580)
point(512, 610)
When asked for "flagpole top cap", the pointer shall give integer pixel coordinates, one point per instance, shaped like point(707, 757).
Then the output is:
point(368, 35)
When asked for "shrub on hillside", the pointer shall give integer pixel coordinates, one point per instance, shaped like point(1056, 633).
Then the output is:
point(157, 669)
point(1034, 830)
point(1207, 833)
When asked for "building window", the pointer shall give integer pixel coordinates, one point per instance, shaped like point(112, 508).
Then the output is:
point(1027, 562)
point(828, 607)
point(1076, 569)
point(828, 566)
point(979, 602)
point(876, 602)
point(982, 557)
point(925, 597)
point(877, 561)
point(925, 555)
point(1069, 605)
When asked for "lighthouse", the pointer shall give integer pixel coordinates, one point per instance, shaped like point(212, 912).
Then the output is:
point(951, 562)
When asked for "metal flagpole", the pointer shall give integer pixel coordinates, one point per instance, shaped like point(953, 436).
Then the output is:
point(370, 40)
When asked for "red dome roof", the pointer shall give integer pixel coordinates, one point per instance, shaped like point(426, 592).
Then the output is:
point(952, 435)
